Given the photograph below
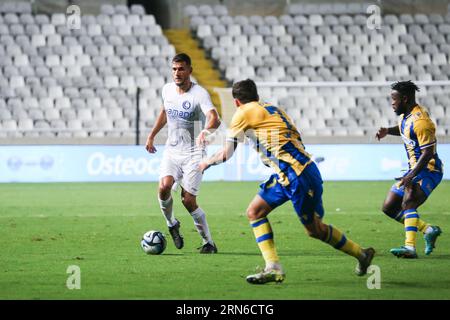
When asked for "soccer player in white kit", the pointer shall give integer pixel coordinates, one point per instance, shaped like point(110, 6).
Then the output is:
point(185, 105)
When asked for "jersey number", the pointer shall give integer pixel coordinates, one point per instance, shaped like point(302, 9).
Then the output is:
point(274, 110)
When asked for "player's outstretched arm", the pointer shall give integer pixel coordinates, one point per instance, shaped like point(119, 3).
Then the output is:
point(383, 132)
point(159, 124)
point(219, 157)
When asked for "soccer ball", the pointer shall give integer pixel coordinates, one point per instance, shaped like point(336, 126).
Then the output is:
point(153, 242)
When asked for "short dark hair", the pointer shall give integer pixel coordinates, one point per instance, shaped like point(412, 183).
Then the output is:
point(406, 88)
point(182, 57)
point(245, 91)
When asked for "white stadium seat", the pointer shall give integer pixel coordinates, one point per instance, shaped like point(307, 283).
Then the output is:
point(57, 72)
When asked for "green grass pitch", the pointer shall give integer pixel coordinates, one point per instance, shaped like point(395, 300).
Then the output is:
point(45, 228)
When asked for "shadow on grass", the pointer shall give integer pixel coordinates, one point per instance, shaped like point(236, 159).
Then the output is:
point(413, 284)
point(225, 253)
point(220, 253)
point(438, 256)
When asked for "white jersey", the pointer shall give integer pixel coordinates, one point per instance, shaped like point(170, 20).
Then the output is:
point(185, 116)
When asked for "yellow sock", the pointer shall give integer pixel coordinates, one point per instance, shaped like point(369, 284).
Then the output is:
point(264, 238)
point(411, 220)
point(338, 240)
point(421, 225)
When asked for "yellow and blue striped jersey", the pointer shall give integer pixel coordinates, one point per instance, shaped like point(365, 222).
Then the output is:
point(418, 132)
point(274, 137)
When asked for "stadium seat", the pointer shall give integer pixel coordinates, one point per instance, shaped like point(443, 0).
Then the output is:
point(122, 47)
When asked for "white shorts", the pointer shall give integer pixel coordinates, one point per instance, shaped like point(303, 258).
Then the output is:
point(184, 169)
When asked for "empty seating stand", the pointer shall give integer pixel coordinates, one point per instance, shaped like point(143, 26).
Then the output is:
point(330, 42)
point(59, 82)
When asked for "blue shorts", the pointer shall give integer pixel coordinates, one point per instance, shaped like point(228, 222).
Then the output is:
point(427, 180)
point(305, 192)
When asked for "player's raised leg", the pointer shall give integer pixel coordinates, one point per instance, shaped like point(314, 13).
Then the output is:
point(257, 214)
point(335, 238)
point(166, 205)
point(431, 237)
point(201, 224)
point(307, 201)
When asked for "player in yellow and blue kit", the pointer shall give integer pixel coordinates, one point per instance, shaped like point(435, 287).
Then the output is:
point(425, 169)
point(296, 178)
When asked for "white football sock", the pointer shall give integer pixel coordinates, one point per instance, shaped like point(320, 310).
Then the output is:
point(273, 266)
point(166, 208)
point(428, 230)
point(201, 225)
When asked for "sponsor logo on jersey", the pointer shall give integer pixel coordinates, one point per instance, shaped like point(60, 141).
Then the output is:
point(173, 113)
point(186, 105)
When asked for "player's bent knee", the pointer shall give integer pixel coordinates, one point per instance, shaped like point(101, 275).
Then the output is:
point(164, 192)
point(253, 215)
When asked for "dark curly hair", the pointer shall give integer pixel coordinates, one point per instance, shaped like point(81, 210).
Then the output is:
point(406, 88)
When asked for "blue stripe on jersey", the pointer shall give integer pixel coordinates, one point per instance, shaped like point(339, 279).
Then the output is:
point(402, 126)
point(411, 229)
point(284, 166)
point(412, 215)
point(409, 211)
point(402, 131)
point(291, 149)
point(258, 223)
point(260, 147)
point(264, 237)
point(341, 242)
point(273, 110)
point(413, 136)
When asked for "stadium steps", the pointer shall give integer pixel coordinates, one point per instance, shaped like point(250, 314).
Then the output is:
point(204, 71)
